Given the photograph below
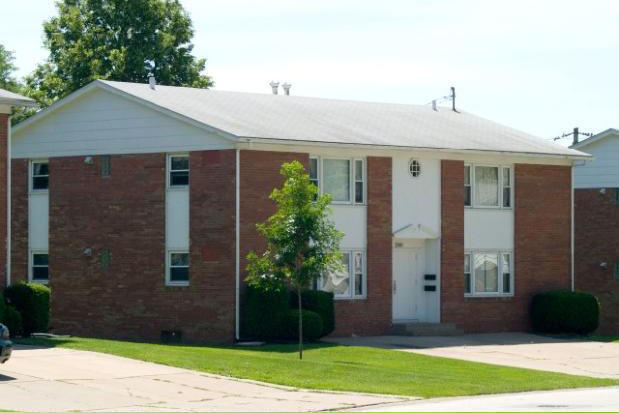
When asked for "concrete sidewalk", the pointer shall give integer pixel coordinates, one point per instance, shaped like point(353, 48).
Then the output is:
point(60, 380)
point(570, 356)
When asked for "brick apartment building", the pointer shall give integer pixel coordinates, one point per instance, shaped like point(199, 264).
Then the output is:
point(596, 225)
point(138, 205)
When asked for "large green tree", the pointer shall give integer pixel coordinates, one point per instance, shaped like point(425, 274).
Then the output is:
point(302, 241)
point(121, 40)
point(7, 70)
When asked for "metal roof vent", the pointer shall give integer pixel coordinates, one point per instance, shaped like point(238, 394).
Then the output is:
point(274, 87)
point(151, 81)
point(286, 86)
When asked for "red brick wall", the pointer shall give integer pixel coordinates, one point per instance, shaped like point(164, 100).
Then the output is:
point(19, 220)
point(125, 213)
point(258, 176)
point(541, 247)
point(596, 240)
point(4, 130)
point(372, 316)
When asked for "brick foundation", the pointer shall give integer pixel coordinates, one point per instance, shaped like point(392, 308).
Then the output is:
point(541, 247)
point(596, 240)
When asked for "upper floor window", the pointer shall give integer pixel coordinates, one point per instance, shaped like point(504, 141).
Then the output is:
point(487, 186)
point(39, 175)
point(343, 179)
point(178, 169)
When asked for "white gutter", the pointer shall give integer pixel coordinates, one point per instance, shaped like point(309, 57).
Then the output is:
point(237, 243)
point(8, 204)
point(572, 229)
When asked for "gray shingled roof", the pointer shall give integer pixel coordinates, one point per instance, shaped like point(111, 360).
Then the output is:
point(268, 116)
point(13, 99)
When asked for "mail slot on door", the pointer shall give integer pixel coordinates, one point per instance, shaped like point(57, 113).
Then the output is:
point(429, 287)
point(429, 277)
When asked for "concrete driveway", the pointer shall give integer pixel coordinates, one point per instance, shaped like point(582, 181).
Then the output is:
point(58, 380)
point(570, 356)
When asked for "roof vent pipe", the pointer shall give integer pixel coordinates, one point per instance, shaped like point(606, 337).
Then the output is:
point(151, 81)
point(575, 141)
point(434, 105)
point(453, 99)
point(274, 87)
point(286, 86)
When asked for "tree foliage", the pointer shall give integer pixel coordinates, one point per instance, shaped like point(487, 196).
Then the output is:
point(7, 69)
point(122, 40)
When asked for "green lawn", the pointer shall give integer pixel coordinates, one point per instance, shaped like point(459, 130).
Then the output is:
point(606, 339)
point(333, 367)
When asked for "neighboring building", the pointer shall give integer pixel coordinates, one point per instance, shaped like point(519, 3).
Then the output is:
point(596, 206)
point(138, 205)
point(8, 101)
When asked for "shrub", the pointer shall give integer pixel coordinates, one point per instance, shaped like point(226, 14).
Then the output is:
point(565, 312)
point(264, 313)
point(320, 302)
point(312, 325)
point(32, 302)
point(12, 320)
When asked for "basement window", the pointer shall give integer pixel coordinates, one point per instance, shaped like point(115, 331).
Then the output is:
point(39, 173)
point(39, 270)
point(178, 168)
point(178, 268)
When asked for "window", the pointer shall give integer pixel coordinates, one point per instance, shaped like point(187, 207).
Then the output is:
point(105, 259)
point(343, 179)
point(507, 188)
point(467, 185)
point(336, 179)
point(467, 273)
point(313, 173)
point(488, 186)
point(40, 175)
point(40, 267)
point(350, 281)
point(414, 168)
point(616, 271)
point(488, 273)
point(106, 165)
point(359, 181)
point(178, 271)
point(179, 170)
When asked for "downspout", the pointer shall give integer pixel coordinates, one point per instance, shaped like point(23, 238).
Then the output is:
point(572, 228)
point(238, 250)
point(8, 203)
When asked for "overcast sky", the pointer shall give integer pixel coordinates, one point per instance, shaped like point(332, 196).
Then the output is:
point(539, 66)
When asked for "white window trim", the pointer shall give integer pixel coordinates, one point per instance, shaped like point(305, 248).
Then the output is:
point(31, 264)
point(500, 189)
point(31, 176)
point(168, 262)
point(351, 275)
point(351, 177)
point(169, 170)
point(512, 277)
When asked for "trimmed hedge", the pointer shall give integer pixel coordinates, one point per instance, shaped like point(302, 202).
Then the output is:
point(565, 312)
point(32, 302)
point(320, 302)
point(264, 313)
point(312, 325)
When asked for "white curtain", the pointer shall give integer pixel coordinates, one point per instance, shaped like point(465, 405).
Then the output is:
point(487, 186)
point(486, 273)
point(336, 175)
point(338, 282)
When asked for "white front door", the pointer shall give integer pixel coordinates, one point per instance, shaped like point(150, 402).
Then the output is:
point(408, 296)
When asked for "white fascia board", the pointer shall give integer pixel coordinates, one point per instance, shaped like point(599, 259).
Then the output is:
point(253, 143)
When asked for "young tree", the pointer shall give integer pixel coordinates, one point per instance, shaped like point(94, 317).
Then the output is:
point(302, 242)
point(121, 40)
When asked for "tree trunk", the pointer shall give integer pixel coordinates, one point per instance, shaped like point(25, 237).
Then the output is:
point(300, 325)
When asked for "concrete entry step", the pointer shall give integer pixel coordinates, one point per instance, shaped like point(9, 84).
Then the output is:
point(425, 329)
